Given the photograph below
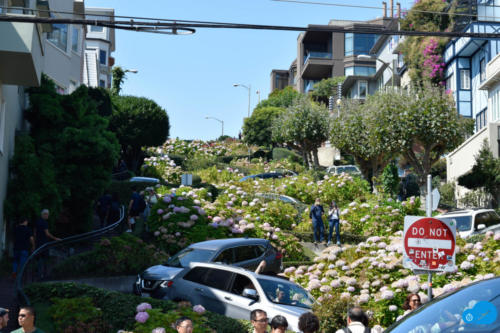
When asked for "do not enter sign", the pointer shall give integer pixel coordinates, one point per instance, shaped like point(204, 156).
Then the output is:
point(429, 244)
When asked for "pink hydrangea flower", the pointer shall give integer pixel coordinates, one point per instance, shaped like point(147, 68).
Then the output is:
point(141, 317)
point(143, 307)
point(199, 309)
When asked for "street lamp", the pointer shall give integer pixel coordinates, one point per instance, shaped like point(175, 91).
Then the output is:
point(220, 121)
point(258, 93)
point(368, 57)
point(135, 71)
point(249, 88)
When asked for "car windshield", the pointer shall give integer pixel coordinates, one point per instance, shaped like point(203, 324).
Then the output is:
point(188, 255)
point(445, 314)
point(283, 292)
point(463, 222)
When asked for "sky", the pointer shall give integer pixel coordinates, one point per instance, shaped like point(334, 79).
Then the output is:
point(192, 76)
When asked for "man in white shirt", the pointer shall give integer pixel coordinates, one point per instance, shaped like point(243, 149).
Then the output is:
point(357, 321)
point(259, 321)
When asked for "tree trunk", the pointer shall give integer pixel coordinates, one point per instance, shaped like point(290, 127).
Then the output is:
point(304, 156)
point(315, 155)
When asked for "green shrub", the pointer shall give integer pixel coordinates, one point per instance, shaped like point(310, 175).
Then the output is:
point(198, 162)
point(390, 179)
point(124, 189)
point(447, 192)
point(122, 255)
point(71, 314)
point(178, 159)
point(283, 153)
point(264, 154)
point(332, 313)
point(225, 159)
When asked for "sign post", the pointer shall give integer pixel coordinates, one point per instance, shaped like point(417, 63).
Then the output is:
point(429, 246)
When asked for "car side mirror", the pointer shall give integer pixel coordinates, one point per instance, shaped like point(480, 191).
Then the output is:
point(250, 293)
point(481, 226)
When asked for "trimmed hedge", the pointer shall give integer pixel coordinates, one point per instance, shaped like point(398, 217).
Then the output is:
point(283, 153)
point(344, 237)
point(118, 310)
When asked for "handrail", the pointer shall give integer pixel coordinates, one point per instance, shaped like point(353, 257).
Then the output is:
point(53, 244)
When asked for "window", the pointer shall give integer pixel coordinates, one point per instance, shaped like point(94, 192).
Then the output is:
point(260, 249)
point(226, 257)
point(362, 89)
point(218, 278)
point(102, 83)
point(75, 37)
point(359, 70)
point(244, 253)
point(241, 282)
point(464, 79)
point(450, 83)
point(59, 36)
point(96, 28)
point(482, 69)
point(355, 44)
point(480, 120)
point(102, 57)
point(196, 274)
point(348, 44)
point(495, 105)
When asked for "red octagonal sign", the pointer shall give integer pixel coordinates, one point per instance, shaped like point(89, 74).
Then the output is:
point(429, 244)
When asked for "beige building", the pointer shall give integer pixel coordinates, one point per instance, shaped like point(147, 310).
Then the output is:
point(26, 51)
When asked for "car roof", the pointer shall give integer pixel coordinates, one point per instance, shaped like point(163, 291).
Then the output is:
point(467, 211)
point(217, 244)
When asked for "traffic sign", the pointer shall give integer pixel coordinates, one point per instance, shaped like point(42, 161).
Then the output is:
point(429, 244)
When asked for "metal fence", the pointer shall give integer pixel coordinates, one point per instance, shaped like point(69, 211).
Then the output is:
point(42, 264)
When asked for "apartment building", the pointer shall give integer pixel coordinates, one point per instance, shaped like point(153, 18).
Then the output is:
point(322, 54)
point(99, 44)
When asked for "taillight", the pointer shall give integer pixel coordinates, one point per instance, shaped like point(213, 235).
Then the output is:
point(167, 284)
point(279, 255)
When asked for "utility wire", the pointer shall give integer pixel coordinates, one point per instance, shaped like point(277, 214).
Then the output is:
point(188, 27)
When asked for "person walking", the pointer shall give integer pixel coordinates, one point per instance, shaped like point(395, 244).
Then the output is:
point(357, 321)
point(184, 325)
point(308, 323)
point(103, 207)
point(114, 209)
point(316, 214)
point(333, 222)
point(23, 243)
point(134, 208)
point(26, 320)
point(4, 319)
point(259, 321)
point(42, 235)
point(279, 324)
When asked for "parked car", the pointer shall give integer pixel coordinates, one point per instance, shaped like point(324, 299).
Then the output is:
point(235, 292)
point(266, 175)
point(244, 252)
point(468, 309)
point(338, 169)
point(285, 198)
point(472, 222)
point(144, 180)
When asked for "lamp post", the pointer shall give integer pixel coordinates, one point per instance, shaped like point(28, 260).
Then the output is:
point(368, 57)
point(220, 121)
point(249, 88)
point(258, 93)
point(135, 71)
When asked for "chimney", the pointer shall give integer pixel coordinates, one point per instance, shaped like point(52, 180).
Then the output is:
point(398, 10)
point(384, 9)
point(392, 8)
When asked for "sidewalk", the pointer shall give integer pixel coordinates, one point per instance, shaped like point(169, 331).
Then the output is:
point(9, 301)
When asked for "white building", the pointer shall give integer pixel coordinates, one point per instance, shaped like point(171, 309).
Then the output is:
point(99, 44)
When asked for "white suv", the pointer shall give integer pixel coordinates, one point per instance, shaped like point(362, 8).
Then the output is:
point(338, 169)
point(473, 221)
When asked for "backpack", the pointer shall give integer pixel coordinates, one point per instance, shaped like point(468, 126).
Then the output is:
point(347, 330)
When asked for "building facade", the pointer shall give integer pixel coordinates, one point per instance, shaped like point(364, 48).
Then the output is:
point(99, 44)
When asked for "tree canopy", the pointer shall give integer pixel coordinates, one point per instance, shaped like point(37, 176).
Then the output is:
point(257, 129)
point(138, 122)
point(326, 88)
point(303, 126)
point(280, 98)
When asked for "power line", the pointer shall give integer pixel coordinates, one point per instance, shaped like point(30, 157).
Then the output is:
point(177, 26)
point(381, 8)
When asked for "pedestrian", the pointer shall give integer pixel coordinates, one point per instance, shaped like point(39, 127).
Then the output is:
point(4, 319)
point(103, 207)
point(114, 209)
point(42, 234)
point(308, 323)
point(411, 303)
point(151, 200)
point(333, 222)
point(23, 243)
point(279, 324)
point(184, 325)
point(26, 320)
point(316, 214)
point(357, 321)
point(259, 321)
point(134, 208)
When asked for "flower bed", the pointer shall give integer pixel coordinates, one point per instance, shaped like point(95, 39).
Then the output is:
point(371, 274)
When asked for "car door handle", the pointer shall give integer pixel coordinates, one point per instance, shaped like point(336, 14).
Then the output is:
point(199, 290)
point(228, 298)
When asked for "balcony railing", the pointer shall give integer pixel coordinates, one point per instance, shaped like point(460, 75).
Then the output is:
point(492, 73)
point(317, 54)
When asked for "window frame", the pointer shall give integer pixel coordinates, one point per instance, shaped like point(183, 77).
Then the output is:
point(482, 69)
point(75, 31)
point(359, 89)
point(467, 80)
point(57, 42)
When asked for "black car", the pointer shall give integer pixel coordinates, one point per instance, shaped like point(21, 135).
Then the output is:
point(266, 175)
point(473, 308)
point(242, 252)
